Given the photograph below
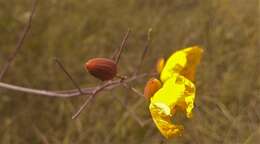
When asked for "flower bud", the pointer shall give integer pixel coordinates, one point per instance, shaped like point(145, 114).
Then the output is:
point(151, 87)
point(160, 64)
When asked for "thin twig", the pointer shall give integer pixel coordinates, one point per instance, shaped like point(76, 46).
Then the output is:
point(68, 75)
point(118, 52)
point(144, 51)
point(84, 105)
point(66, 93)
point(20, 42)
point(95, 92)
point(37, 91)
point(71, 92)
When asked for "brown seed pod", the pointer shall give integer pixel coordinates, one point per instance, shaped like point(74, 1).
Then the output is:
point(102, 68)
point(151, 87)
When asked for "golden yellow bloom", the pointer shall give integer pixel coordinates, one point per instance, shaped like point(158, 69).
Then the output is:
point(183, 62)
point(177, 92)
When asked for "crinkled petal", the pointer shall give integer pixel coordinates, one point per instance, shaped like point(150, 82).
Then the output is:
point(176, 93)
point(183, 62)
point(163, 121)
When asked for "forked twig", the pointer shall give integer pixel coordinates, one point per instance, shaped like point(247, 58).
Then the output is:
point(68, 75)
point(68, 93)
point(95, 92)
point(116, 56)
point(79, 91)
point(20, 42)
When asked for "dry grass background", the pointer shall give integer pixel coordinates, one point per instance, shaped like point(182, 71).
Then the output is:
point(228, 82)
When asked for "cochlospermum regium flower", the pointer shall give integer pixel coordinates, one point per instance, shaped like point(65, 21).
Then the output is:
point(177, 92)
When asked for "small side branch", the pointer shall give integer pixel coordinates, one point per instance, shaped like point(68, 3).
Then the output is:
point(67, 93)
point(117, 54)
point(95, 92)
point(37, 91)
point(83, 106)
point(68, 75)
point(19, 43)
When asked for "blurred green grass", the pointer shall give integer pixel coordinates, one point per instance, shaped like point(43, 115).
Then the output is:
point(228, 81)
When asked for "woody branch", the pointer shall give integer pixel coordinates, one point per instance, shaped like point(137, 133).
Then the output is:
point(91, 92)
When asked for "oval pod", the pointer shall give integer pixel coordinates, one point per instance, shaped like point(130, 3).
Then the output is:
point(102, 68)
point(152, 86)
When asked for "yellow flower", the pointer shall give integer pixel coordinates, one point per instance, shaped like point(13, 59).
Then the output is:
point(177, 92)
point(183, 62)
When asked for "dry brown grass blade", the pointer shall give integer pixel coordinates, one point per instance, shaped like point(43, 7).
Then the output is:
point(131, 112)
point(144, 51)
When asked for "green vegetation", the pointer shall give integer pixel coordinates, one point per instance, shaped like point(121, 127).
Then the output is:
point(228, 79)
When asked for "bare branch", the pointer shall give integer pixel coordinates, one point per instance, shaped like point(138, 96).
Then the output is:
point(117, 54)
point(95, 92)
point(71, 92)
point(20, 41)
point(102, 87)
point(144, 51)
point(84, 105)
point(68, 93)
point(37, 91)
point(68, 75)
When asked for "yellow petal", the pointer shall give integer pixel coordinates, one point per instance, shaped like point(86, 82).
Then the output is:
point(163, 122)
point(183, 62)
point(176, 93)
